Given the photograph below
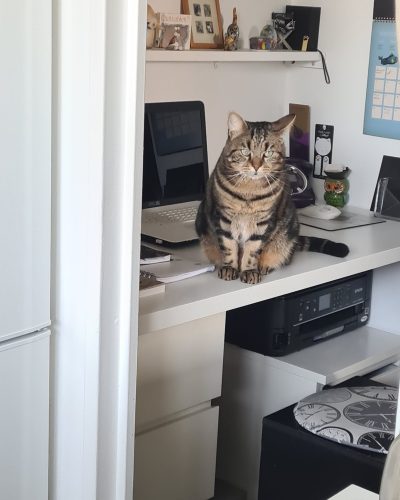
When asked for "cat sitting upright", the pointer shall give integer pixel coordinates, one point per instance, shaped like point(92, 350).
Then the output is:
point(247, 223)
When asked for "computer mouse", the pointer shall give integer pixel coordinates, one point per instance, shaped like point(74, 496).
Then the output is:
point(320, 211)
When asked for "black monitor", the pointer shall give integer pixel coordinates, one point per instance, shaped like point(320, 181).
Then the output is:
point(175, 166)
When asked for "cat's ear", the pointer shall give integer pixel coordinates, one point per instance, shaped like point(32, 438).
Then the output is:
point(283, 124)
point(236, 125)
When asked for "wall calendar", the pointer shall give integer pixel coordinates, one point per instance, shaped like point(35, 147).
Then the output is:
point(382, 106)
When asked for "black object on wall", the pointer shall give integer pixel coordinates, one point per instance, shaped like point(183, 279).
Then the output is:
point(306, 25)
point(384, 9)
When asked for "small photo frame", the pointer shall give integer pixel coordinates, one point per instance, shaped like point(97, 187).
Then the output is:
point(206, 23)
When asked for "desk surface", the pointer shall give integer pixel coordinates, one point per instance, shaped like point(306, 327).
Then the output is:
point(354, 492)
point(370, 247)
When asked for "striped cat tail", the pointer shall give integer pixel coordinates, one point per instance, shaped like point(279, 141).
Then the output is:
point(321, 245)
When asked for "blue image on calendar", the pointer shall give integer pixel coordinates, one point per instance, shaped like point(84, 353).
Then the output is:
point(382, 105)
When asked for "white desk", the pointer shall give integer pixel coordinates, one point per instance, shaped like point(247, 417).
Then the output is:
point(370, 247)
point(354, 492)
point(180, 358)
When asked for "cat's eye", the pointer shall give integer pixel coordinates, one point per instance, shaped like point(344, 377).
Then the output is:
point(245, 152)
point(269, 153)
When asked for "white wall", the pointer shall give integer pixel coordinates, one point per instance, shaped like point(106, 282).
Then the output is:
point(345, 33)
point(263, 92)
point(254, 90)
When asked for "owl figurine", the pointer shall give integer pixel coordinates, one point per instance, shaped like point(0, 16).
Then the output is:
point(337, 188)
point(232, 34)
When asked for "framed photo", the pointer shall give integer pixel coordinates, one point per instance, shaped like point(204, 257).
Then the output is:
point(206, 23)
point(173, 31)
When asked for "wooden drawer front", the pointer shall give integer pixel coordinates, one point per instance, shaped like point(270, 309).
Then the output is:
point(179, 368)
point(177, 461)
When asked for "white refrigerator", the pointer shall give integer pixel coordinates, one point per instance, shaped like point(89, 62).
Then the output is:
point(25, 161)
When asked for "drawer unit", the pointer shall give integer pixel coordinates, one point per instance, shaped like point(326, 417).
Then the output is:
point(176, 461)
point(179, 368)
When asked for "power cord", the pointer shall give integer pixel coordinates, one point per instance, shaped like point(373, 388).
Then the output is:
point(325, 68)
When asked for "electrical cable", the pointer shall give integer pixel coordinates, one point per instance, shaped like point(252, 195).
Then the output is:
point(325, 68)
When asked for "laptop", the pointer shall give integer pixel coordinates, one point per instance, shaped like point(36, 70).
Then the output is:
point(175, 170)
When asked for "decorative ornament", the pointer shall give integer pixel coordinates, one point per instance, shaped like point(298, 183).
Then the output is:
point(151, 27)
point(336, 187)
point(232, 34)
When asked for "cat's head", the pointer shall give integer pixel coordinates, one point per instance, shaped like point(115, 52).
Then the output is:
point(255, 149)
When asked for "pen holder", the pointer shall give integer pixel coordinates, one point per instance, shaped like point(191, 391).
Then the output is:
point(336, 187)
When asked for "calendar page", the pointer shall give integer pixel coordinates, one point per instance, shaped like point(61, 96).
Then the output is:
point(382, 107)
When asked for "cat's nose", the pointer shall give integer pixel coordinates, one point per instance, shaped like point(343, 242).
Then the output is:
point(257, 163)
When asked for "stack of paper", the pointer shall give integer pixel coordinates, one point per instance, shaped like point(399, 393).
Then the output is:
point(150, 255)
point(177, 269)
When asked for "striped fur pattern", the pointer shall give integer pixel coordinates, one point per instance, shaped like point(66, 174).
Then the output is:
point(247, 223)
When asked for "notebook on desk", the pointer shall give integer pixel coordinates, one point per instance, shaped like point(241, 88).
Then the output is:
point(175, 170)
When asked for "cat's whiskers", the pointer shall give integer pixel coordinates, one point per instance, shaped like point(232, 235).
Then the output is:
point(269, 184)
point(270, 176)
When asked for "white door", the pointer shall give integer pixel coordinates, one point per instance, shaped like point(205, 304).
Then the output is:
point(24, 417)
point(25, 159)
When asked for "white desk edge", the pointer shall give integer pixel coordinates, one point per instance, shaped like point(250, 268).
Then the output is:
point(354, 492)
point(371, 247)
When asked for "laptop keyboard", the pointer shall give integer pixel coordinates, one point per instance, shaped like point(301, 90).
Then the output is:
point(185, 214)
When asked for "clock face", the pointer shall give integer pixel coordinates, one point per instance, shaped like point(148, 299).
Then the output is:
point(337, 434)
point(332, 396)
point(379, 441)
point(317, 415)
point(380, 415)
point(382, 393)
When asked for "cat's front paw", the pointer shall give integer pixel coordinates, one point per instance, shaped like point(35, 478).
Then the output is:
point(251, 277)
point(228, 273)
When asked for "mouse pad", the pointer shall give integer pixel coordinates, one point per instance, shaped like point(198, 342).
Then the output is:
point(344, 221)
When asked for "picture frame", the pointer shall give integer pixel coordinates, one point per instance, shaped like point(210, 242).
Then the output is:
point(173, 31)
point(207, 32)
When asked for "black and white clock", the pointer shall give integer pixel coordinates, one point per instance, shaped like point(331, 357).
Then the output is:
point(363, 417)
point(337, 434)
point(382, 393)
point(377, 441)
point(379, 415)
point(318, 414)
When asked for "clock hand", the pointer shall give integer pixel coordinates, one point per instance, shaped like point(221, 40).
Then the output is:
point(312, 414)
point(369, 414)
point(379, 444)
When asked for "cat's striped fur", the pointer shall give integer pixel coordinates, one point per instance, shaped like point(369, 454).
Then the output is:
point(247, 223)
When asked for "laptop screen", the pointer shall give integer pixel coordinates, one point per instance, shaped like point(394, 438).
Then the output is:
point(175, 166)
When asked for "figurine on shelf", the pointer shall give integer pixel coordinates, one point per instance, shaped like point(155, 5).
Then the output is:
point(151, 27)
point(336, 185)
point(232, 34)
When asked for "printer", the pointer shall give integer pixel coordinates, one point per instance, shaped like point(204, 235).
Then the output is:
point(289, 323)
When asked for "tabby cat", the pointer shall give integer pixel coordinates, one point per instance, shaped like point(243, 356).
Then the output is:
point(247, 223)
